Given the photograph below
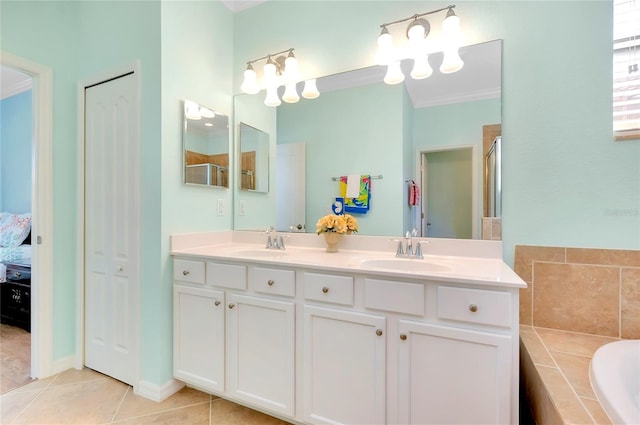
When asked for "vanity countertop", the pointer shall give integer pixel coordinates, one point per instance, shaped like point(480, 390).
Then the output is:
point(354, 257)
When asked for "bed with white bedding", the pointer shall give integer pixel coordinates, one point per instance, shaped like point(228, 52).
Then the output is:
point(15, 240)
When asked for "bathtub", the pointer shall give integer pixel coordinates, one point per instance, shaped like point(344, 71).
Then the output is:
point(615, 378)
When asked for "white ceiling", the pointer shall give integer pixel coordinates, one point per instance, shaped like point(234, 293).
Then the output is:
point(238, 5)
point(13, 82)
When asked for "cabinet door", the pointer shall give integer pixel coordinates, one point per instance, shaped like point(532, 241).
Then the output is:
point(261, 354)
point(344, 367)
point(198, 333)
point(453, 376)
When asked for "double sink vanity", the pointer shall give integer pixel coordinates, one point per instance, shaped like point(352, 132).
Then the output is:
point(353, 337)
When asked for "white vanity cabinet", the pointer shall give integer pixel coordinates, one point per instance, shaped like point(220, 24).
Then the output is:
point(330, 346)
point(231, 341)
point(199, 336)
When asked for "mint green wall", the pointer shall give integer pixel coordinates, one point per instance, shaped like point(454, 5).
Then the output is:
point(335, 127)
point(197, 51)
point(78, 40)
point(566, 182)
point(16, 152)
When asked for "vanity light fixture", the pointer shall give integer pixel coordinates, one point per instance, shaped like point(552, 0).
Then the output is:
point(280, 69)
point(416, 49)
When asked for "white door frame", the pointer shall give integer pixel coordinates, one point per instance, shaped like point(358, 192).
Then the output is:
point(80, 316)
point(475, 210)
point(42, 213)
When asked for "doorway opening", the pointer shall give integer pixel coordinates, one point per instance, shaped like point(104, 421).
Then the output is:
point(449, 207)
point(41, 274)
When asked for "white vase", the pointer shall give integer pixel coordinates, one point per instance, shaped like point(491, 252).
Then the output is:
point(332, 239)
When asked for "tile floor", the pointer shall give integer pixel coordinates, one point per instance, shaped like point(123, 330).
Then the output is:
point(88, 397)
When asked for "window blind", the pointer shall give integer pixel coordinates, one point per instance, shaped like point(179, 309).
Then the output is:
point(626, 75)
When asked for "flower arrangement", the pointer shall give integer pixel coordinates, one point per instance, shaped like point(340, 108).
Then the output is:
point(344, 223)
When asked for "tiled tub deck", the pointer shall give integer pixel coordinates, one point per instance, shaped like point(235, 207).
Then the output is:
point(555, 366)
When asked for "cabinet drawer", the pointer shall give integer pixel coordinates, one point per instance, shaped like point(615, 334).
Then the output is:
point(474, 306)
point(274, 281)
point(227, 275)
point(328, 288)
point(388, 295)
point(191, 271)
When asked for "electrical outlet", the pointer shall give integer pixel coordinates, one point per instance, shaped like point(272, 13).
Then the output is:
point(241, 208)
point(220, 206)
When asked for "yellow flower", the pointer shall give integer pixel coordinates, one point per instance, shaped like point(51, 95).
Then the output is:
point(337, 223)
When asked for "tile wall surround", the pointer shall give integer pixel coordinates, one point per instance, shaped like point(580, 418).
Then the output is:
point(592, 291)
point(576, 300)
point(492, 228)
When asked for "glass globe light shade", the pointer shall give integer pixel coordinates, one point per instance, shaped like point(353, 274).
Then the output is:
point(290, 94)
point(394, 73)
point(451, 61)
point(250, 82)
point(272, 98)
point(310, 90)
point(291, 74)
point(421, 68)
point(385, 48)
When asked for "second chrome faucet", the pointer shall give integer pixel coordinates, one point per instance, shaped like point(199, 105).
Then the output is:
point(411, 249)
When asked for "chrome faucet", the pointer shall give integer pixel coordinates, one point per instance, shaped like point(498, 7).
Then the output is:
point(274, 241)
point(409, 251)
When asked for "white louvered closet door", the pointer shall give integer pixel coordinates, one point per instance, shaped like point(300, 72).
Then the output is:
point(112, 230)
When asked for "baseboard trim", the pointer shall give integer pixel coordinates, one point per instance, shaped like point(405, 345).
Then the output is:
point(158, 392)
point(63, 364)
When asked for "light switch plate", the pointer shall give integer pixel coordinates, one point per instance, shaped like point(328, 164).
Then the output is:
point(220, 207)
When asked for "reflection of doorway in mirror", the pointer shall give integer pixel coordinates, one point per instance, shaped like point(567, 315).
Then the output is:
point(290, 187)
point(248, 166)
point(448, 178)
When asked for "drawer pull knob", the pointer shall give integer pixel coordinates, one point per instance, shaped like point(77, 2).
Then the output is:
point(403, 337)
point(325, 289)
point(473, 308)
point(270, 282)
point(216, 303)
point(379, 332)
point(185, 272)
point(231, 305)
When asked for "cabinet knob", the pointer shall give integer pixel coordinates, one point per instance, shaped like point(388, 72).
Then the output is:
point(231, 305)
point(120, 269)
point(216, 303)
point(473, 308)
point(270, 282)
point(185, 272)
point(378, 332)
point(325, 289)
point(403, 337)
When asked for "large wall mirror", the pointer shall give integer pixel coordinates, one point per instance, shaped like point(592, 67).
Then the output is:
point(360, 125)
point(205, 140)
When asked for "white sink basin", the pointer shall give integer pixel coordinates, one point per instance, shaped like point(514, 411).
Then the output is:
point(260, 252)
point(404, 264)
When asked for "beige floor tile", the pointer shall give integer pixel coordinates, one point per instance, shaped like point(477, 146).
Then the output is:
point(192, 415)
point(224, 412)
point(38, 384)
point(14, 402)
point(571, 342)
point(576, 370)
point(72, 376)
point(135, 405)
point(91, 402)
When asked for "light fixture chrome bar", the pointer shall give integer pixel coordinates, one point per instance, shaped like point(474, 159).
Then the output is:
point(290, 50)
point(418, 15)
